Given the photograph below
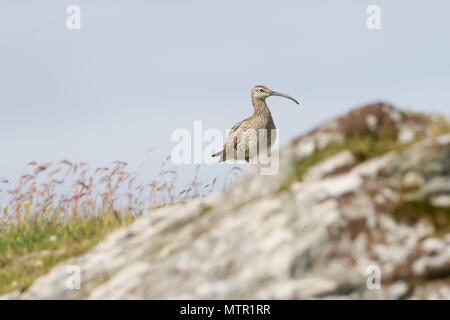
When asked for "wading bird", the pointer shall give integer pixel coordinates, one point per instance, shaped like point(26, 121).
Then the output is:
point(245, 137)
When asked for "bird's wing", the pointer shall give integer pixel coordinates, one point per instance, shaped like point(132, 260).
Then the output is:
point(243, 125)
point(233, 143)
point(237, 140)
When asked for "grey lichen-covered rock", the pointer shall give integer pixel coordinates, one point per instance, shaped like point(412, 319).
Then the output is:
point(328, 234)
point(337, 162)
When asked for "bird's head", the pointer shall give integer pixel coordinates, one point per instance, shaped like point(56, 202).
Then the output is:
point(262, 93)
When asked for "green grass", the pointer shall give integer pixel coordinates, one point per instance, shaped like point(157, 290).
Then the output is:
point(412, 211)
point(32, 250)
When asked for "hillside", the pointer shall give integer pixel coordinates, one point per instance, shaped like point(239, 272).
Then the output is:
point(370, 188)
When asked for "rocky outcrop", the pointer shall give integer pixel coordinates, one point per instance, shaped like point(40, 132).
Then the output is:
point(362, 196)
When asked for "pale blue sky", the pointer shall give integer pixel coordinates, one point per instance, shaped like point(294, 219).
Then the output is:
point(137, 70)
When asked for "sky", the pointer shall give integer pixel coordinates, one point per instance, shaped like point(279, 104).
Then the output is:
point(138, 70)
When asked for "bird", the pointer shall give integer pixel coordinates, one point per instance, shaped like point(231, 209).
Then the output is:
point(243, 141)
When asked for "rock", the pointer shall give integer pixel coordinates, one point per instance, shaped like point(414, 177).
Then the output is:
point(398, 290)
point(406, 134)
point(371, 122)
point(336, 163)
point(433, 291)
point(441, 201)
point(413, 179)
point(436, 260)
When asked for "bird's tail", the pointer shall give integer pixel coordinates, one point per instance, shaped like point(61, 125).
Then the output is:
point(219, 154)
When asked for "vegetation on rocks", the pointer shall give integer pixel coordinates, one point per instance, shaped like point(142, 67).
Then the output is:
point(413, 211)
point(367, 142)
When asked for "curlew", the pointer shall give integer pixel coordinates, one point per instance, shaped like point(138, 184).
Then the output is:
point(247, 135)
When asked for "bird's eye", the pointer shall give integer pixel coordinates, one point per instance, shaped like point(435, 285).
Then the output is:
point(261, 90)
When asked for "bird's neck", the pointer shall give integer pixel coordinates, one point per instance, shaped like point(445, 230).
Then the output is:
point(261, 108)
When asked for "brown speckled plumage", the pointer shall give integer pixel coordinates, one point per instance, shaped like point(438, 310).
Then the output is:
point(245, 134)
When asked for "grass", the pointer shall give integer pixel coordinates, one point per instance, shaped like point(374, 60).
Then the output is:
point(31, 251)
point(60, 210)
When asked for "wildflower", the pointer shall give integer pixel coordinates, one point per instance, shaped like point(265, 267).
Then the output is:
point(26, 204)
point(4, 207)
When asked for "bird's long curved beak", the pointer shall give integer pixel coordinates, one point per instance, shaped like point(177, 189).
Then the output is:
point(274, 93)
